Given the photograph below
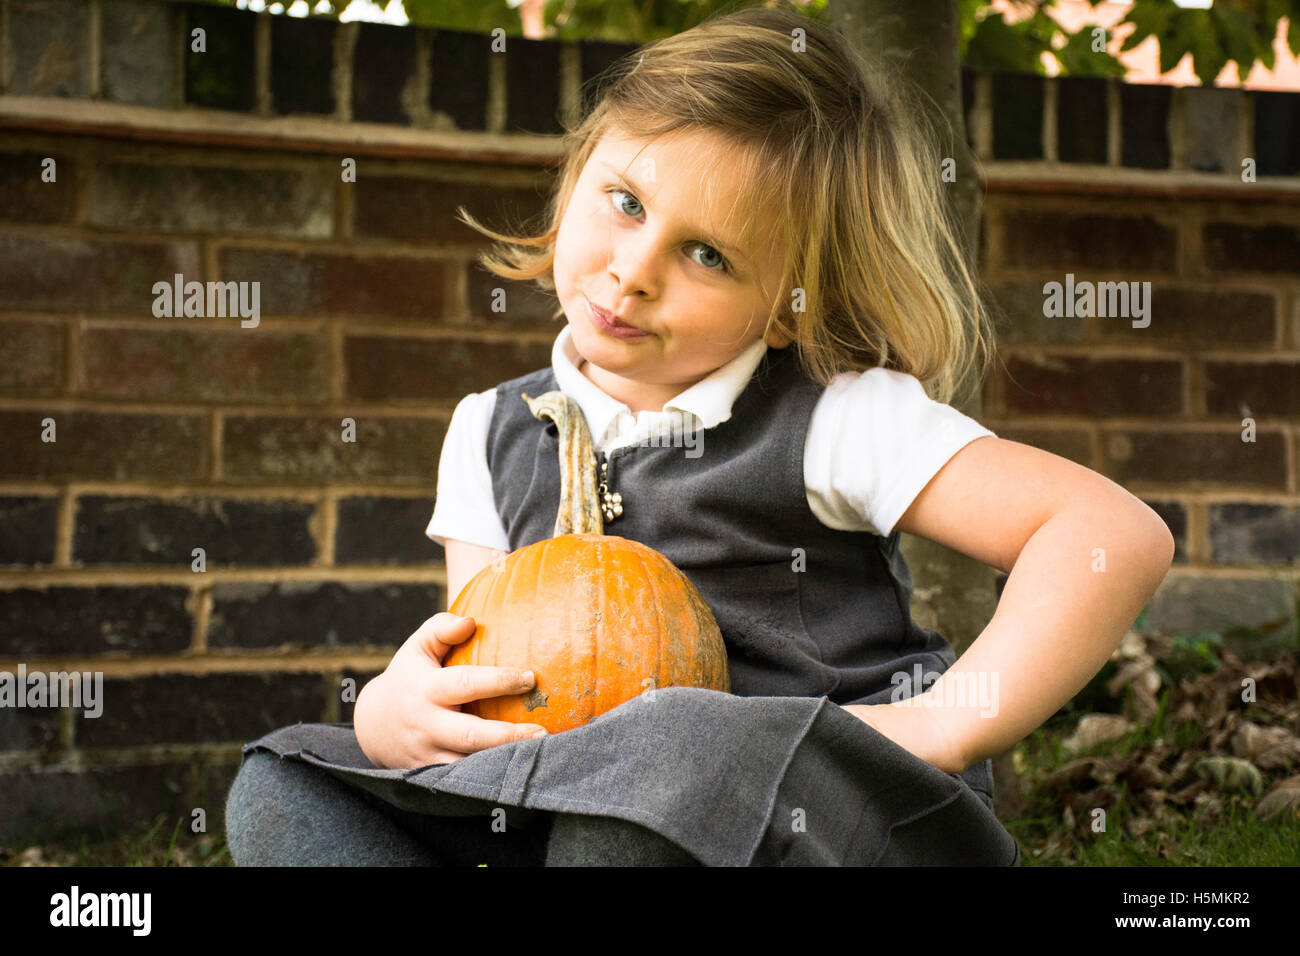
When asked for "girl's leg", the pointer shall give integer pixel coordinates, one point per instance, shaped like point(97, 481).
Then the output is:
point(581, 840)
point(288, 813)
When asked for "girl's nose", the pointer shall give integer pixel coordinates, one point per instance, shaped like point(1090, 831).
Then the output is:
point(632, 264)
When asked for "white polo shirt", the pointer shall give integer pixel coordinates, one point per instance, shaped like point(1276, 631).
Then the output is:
point(874, 441)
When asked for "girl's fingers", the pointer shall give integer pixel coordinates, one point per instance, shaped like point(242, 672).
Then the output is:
point(466, 682)
point(440, 633)
point(466, 734)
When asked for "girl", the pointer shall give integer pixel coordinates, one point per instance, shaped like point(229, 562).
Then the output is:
point(748, 244)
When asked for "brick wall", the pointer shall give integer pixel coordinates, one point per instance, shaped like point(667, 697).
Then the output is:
point(180, 433)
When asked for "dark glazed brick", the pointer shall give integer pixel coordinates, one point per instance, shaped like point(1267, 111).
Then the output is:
point(1195, 459)
point(31, 358)
point(1086, 386)
point(302, 65)
point(1144, 112)
point(1277, 133)
point(460, 77)
point(315, 614)
point(387, 368)
point(1266, 389)
point(201, 708)
point(63, 806)
point(1068, 241)
point(1017, 116)
point(29, 728)
point(1212, 128)
point(27, 528)
point(340, 284)
point(66, 621)
point(384, 531)
point(222, 77)
point(76, 275)
point(533, 86)
point(139, 197)
point(524, 305)
point(1174, 516)
point(597, 57)
point(47, 48)
point(383, 60)
point(231, 531)
point(1081, 122)
point(139, 51)
point(311, 450)
point(1243, 533)
point(1233, 247)
point(416, 210)
point(103, 446)
point(26, 197)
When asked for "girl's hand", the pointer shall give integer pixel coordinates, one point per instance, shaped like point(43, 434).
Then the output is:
point(409, 716)
point(917, 729)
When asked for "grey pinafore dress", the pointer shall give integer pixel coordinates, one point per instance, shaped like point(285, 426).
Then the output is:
point(776, 772)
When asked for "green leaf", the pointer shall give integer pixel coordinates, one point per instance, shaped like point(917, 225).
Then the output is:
point(1149, 18)
point(1195, 32)
point(1012, 47)
point(1242, 38)
point(1077, 57)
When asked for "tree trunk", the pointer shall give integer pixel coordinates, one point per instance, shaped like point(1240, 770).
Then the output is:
point(954, 594)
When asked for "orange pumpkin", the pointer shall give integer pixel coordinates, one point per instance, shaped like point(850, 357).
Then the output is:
point(597, 618)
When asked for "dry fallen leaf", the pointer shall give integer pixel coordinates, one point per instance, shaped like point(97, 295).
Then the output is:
point(1094, 729)
point(1269, 748)
point(1284, 796)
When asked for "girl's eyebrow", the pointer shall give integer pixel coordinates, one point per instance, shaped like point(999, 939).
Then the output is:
point(730, 248)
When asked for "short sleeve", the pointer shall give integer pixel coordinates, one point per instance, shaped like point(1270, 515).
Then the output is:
point(464, 508)
point(874, 442)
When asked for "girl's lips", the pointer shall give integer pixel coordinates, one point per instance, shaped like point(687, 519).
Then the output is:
point(604, 323)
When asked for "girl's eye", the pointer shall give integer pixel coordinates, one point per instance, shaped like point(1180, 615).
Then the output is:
point(721, 265)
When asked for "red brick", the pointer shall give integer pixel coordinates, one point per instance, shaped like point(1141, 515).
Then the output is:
point(31, 357)
point(421, 210)
point(1080, 385)
point(26, 197)
point(1201, 318)
point(296, 283)
point(273, 449)
point(1192, 459)
point(526, 307)
point(390, 368)
point(104, 446)
point(1235, 247)
point(242, 365)
point(1068, 241)
point(81, 275)
point(1260, 389)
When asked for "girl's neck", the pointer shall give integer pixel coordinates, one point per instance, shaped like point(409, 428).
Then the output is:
point(585, 368)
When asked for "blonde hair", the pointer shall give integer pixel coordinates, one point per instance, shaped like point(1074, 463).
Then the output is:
point(846, 163)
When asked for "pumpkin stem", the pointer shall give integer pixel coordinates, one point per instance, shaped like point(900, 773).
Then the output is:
point(579, 509)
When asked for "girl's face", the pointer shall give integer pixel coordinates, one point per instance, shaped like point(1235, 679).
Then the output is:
point(641, 239)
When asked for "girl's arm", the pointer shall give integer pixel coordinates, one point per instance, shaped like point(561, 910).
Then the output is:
point(1083, 555)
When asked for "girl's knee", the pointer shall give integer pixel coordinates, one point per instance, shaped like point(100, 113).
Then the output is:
point(260, 805)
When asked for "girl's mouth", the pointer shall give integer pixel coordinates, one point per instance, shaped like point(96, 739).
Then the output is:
point(603, 321)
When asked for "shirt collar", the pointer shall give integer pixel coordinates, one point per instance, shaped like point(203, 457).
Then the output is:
point(709, 399)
